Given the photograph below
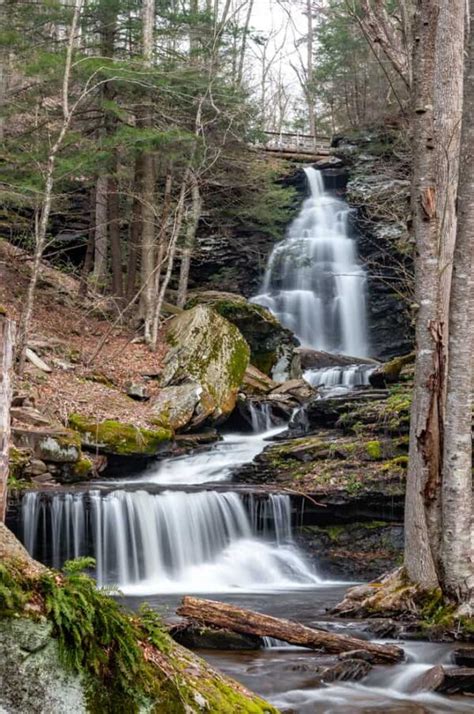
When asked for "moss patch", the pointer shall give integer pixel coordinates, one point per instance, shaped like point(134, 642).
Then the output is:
point(118, 438)
point(127, 663)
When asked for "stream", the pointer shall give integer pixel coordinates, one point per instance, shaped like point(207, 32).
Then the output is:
point(169, 531)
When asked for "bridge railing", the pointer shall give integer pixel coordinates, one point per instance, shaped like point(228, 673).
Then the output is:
point(297, 143)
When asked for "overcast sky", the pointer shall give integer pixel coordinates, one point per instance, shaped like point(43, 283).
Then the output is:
point(268, 16)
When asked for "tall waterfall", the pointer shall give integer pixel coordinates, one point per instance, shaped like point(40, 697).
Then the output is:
point(175, 541)
point(313, 282)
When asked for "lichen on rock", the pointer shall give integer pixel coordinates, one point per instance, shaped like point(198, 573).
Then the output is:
point(207, 350)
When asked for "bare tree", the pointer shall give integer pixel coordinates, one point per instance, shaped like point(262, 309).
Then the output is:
point(432, 481)
point(7, 338)
point(456, 495)
point(41, 225)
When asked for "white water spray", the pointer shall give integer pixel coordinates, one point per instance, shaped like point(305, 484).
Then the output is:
point(171, 542)
point(313, 283)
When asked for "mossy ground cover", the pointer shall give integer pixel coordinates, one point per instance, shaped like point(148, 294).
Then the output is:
point(127, 662)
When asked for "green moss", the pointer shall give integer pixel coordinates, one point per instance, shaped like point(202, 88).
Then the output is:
point(119, 438)
point(397, 463)
point(374, 450)
point(17, 460)
point(83, 468)
point(128, 663)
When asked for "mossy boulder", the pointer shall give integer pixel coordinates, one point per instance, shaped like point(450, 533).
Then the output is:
point(185, 406)
point(207, 350)
point(68, 647)
point(114, 437)
point(389, 372)
point(57, 446)
point(267, 338)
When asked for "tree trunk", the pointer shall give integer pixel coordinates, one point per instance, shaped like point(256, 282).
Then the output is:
point(114, 234)
point(178, 220)
point(187, 250)
point(247, 622)
point(147, 263)
point(135, 230)
point(309, 69)
point(89, 256)
point(438, 105)
point(7, 337)
point(100, 241)
point(457, 551)
point(423, 467)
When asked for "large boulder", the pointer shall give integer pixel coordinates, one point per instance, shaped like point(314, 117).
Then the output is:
point(206, 350)
point(185, 406)
point(268, 340)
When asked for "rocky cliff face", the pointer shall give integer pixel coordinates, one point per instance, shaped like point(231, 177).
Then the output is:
point(371, 172)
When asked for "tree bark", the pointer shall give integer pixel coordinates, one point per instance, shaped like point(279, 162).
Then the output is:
point(135, 230)
point(114, 234)
point(148, 246)
point(237, 619)
point(423, 467)
point(457, 550)
point(7, 338)
point(100, 240)
point(189, 241)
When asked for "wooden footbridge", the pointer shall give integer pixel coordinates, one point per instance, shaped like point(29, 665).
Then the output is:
point(301, 147)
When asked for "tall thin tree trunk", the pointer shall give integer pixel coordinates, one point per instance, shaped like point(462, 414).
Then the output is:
point(148, 246)
point(101, 239)
point(114, 236)
point(187, 250)
point(7, 338)
point(135, 229)
point(89, 256)
point(457, 546)
point(178, 220)
point(423, 467)
point(41, 227)
point(309, 69)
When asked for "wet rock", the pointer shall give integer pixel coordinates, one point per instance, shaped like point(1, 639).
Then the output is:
point(267, 338)
point(139, 392)
point(389, 372)
point(36, 467)
point(317, 359)
point(464, 657)
point(445, 681)
point(197, 637)
point(348, 670)
point(206, 349)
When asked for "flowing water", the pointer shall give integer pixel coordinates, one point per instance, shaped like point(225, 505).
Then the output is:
point(158, 535)
point(313, 282)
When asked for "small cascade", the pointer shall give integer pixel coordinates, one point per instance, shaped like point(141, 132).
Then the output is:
point(261, 417)
point(356, 375)
point(314, 283)
point(170, 542)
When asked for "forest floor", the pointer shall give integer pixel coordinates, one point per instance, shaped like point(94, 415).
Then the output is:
point(66, 333)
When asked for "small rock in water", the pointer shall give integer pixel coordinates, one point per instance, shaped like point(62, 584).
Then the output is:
point(348, 670)
point(464, 657)
point(456, 680)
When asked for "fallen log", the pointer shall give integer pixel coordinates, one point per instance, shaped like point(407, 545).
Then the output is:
point(247, 622)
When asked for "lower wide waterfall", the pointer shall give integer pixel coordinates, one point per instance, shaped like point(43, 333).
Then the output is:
point(170, 542)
